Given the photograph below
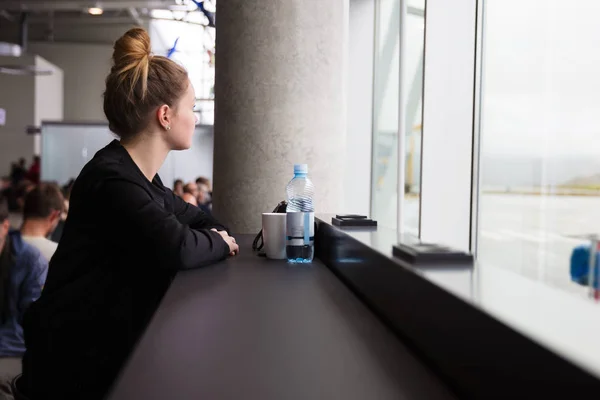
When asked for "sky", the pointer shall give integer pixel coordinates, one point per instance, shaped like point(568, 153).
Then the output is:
point(541, 78)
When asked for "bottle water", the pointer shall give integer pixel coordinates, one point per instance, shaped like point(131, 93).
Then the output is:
point(300, 219)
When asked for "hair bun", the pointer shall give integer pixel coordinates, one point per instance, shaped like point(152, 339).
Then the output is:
point(131, 59)
point(131, 48)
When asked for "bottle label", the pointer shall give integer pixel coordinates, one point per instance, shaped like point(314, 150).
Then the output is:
point(300, 227)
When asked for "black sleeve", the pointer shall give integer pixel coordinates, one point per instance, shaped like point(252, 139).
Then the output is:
point(194, 216)
point(138, 220)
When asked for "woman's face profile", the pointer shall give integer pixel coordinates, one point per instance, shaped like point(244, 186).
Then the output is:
point(184, 121)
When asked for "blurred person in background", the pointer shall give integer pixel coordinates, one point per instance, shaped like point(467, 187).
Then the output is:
point(204, 181)
point(206, 187)
point(41, 215)
point(22, 274)
point(190, 193)
point(5, 183)
point(204, 194)
point(66, 192)
point(33, 174)
point(6, 188)
point(13, 171)
point(18, 172)
point(196, 196)
point(178, 187)
point(17, 203)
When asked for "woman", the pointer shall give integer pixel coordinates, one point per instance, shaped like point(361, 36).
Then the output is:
point(126, 235)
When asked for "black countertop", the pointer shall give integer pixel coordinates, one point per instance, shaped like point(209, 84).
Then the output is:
point(254, 328)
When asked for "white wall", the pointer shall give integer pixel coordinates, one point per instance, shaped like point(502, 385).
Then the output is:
point(48, 104)
point(48, 93)
point(27, 100)
point(85, 67)
point(357, 179)
point(17, 98)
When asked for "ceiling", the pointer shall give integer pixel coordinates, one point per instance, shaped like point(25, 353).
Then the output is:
point(47, 20)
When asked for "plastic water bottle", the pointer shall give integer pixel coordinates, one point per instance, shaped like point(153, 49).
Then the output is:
point(300, 220)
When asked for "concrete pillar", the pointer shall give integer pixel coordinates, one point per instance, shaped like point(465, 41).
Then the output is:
point(279, 100)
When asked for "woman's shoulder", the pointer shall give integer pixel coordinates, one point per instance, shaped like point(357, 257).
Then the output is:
point(111, 162)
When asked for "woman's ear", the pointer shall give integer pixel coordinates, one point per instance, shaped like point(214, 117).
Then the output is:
point(164, 116)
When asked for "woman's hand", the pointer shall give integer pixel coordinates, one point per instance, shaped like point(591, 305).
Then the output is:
point(230, 240)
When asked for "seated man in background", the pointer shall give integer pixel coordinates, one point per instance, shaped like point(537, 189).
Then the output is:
point(41, 214)
point(190, 193)
point(22, 275)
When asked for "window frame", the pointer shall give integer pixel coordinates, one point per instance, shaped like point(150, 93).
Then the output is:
point(449, 171)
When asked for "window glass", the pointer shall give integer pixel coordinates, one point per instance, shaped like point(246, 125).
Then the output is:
point(192, 44)
point(384, 193)
point(540, 136)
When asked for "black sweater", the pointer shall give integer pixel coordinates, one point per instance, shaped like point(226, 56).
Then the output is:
point(123, 242)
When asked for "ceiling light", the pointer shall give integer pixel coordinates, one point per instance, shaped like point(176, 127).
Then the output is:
point(95, 11)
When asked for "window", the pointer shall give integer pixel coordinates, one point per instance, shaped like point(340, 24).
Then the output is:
point(384, 192)
point(192, 44)
point(509, 153)
point(540, 136)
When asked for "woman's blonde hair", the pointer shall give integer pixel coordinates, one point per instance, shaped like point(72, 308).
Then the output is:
point(138, 83)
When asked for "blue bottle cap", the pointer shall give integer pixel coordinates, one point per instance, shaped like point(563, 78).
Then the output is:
point(300, 168)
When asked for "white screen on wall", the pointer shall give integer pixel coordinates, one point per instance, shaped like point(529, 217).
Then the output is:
point(66, 148)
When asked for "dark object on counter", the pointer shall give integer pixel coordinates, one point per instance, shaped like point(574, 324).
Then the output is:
point(411, 249)
point(352, 220)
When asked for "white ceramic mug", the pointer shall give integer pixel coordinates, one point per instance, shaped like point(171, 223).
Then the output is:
point(273, 231)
